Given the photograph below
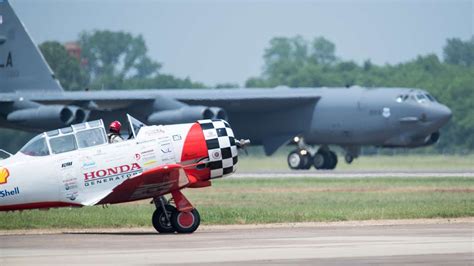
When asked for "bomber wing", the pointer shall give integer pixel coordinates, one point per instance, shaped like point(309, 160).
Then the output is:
point(267, 116)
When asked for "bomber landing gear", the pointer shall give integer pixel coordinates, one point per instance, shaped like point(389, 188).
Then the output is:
point(348, 158)
point(302, 159)
point(352, 152)
point(299, 159)
point(169, 219)
point(325, 159)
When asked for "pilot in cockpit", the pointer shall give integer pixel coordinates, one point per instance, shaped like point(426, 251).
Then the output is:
point(114, 132)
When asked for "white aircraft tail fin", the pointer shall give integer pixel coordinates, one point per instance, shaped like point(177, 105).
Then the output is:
point(22, 66)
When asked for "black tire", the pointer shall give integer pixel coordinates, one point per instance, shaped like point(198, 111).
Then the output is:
point(307, 162)
point(186, 222)
point(349, 158)
point(333, 159)
point(160, 222)
point(320, 160)
point(328, 160)
point(297, 161)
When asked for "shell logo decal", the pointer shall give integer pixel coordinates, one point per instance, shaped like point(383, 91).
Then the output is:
point(4, 174)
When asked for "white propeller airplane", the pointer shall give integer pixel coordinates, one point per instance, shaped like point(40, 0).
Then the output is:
point(76, 166)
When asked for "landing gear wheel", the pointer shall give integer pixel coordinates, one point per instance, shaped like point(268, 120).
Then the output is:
point(332, 161)
point(319, 160)
point(348, 158)
point(299, 159)
point(307, 162)
point(159, 221)
point(325, 159)
point(186, 222)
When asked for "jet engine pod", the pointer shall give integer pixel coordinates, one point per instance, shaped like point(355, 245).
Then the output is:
point(184, 114)
point(44, 116)
point(79, 115)
point(219, 113)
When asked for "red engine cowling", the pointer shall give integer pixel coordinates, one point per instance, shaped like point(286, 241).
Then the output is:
point(211, 144)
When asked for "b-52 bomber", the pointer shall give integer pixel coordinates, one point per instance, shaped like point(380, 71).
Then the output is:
point(76, 166)
point(32, 99)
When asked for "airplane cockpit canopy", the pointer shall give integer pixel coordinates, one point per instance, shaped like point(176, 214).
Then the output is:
point(79, 136)
point(417, 96)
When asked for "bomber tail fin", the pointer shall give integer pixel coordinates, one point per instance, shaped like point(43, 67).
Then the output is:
point(22, 66)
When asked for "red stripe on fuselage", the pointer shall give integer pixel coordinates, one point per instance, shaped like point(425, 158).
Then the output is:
point(38, 205)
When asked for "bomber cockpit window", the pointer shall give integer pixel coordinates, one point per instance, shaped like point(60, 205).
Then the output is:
point(430, 97)
point(36, 147)
point(91, 137)
point(402, 98)
point(421, 98)
point(63, 144)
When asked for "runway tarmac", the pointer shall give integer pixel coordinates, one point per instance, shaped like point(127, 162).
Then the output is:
point(352, 173)
point(433, 244)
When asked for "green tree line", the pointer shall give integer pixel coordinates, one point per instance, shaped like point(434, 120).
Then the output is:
point(111, 61)
point(296, 62)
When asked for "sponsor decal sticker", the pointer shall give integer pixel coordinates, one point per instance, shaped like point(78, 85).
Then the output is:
point(111, 174)
point(88, 164)
point(8, 193)
point(155, 131)
point(166, 150)
point(66, 164)
point(71, 189)
point(150, 163)
point(4, 174)
point(147, 151)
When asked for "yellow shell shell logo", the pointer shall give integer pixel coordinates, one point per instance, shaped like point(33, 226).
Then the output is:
point(4, 174)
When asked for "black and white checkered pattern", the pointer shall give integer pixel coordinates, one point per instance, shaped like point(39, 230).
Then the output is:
point(221, 147)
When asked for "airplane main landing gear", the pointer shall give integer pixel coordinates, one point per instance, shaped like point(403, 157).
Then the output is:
point(302, 157)
point(325, 159)
point(168, 219)
point(299, 159)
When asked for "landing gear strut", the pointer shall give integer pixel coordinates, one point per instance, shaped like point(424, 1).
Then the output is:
point(183, 218)
point(161, 218)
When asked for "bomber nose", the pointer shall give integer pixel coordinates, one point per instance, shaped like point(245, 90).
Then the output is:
point(441, 114)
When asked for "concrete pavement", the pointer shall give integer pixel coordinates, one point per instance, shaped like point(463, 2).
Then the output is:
point(434, 244)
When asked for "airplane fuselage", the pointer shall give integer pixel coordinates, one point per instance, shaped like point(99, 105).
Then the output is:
point(55, 169)
point(340, 116)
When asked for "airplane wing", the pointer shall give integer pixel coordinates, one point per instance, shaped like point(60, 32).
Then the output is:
point(270, 117)
point(270, 121)
point(237, 99)
point(150, 183)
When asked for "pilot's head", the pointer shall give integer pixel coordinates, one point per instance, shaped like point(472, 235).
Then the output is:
point(115, 127)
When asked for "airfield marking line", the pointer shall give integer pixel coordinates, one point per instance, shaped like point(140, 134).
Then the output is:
point(336, 174)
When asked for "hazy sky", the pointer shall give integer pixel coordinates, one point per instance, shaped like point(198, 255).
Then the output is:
point(223, 41)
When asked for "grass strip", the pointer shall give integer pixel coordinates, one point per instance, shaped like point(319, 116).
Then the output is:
point(250, 201)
